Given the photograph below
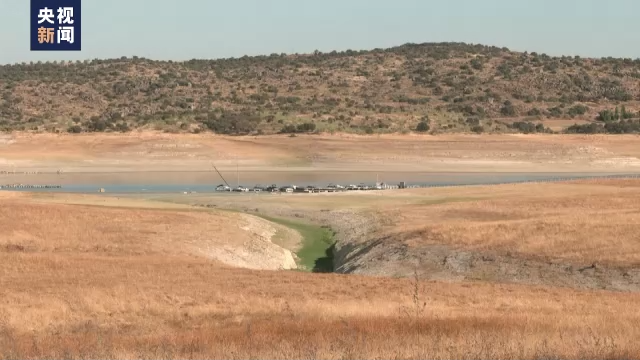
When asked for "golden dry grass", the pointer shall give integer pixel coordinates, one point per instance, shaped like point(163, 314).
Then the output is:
point(91, 282)
point(579, 221)
point(41, 227)
point(120, 227)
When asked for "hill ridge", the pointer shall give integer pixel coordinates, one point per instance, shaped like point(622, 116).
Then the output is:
point(434, 87)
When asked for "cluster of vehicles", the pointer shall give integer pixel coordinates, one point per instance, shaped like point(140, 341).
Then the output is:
point(273, 188)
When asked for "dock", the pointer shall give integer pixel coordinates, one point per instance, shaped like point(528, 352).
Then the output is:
point(319, 190)
point(345, 189)
point(27, 186)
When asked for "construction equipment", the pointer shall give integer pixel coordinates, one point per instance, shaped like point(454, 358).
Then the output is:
point(222, 177)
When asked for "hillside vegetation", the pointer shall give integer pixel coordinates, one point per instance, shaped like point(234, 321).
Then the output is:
point(432, 87)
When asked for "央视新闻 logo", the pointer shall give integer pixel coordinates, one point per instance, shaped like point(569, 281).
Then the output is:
point(55, 25)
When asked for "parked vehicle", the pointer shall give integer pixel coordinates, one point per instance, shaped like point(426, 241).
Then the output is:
point(241, 189)
point(223, 188)
point(272, 188)
point(258, 188)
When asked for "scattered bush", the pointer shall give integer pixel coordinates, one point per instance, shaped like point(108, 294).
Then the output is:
point(422, 126)
point(301, 128)
point(508, 109)
point(478, 129)
point(528, 127)
point(75, 129)
point(577, 110)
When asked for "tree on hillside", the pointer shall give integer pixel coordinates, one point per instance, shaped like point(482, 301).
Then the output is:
point(508, 109)
point(423, 126)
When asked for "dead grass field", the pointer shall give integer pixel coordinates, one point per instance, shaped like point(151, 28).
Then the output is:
point(80, 281)
point(580, 221)
point(35, 224)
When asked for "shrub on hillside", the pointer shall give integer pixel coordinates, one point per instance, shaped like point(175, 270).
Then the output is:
point(423, 126)
point(75, 129)
point(478, 129)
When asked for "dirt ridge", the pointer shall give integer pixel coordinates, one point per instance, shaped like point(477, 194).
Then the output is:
point(443, 263)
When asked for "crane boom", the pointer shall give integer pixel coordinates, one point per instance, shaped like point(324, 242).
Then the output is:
point(222, 177)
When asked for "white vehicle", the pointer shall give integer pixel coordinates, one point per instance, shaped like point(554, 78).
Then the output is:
point(241, 189)
point(223, 188)
point(352, 187)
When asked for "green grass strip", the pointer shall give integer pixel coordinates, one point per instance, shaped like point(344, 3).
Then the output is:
point(315, 252)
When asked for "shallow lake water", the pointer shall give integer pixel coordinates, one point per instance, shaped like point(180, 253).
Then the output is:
point(203, 182)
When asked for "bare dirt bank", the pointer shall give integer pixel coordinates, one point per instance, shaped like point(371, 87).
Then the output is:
point(188, 152)
point(258, 252)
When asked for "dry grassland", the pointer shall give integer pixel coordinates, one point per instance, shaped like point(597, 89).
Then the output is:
point(580, 221)
point(81, 281)
point(34, 224)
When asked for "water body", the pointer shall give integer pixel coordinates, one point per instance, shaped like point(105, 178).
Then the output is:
point(206, 182)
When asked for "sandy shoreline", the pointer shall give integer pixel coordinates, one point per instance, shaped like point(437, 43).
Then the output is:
point(155, 157)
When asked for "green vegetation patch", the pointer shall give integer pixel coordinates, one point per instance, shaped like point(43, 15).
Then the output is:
point(316, 252)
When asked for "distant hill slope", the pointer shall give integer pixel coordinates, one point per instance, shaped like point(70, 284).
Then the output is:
point(450, 87)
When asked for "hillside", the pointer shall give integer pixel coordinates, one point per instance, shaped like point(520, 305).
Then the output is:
point(450, 87)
